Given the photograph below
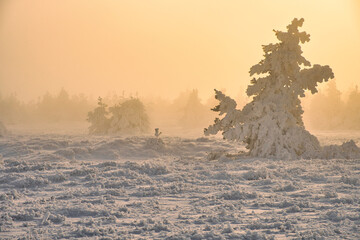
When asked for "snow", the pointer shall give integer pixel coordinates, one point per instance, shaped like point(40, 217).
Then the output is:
point(55, 186)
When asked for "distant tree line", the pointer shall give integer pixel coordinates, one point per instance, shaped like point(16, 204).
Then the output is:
point(185, 111)
point(47, 108)
point(328, 109)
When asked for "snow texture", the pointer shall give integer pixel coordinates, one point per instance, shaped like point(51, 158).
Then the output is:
point(109, 187)
point(271, 124)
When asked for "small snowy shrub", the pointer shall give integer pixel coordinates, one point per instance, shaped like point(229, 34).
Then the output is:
point(271, 124)
point(128, 117)
point(256, 175)
point(98, 120)
point(157, 132)
point(215, 155)
point(346, 150)
point(155, 144)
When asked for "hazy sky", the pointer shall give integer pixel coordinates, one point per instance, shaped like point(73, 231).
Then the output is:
point(162, 47)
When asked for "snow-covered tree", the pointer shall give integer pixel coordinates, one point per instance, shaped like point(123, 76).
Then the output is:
point(271, 124)
point(98, 119)
point(129, 117)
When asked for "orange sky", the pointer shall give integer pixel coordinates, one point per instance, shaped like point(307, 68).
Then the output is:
point(162, 47)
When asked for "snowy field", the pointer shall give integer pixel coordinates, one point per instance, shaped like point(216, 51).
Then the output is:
point(75, 186)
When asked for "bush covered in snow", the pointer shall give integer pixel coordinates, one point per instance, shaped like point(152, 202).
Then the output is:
point(98, 119)
point(127, 117)
point(271, 124)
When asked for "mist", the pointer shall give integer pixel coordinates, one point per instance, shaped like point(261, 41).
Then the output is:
point(187, 112)
point(58, 57)
point(160, 48)
point(329, 109)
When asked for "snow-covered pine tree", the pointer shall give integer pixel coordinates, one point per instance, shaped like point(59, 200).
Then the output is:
point(271, 124)
point(97, 118)
point(129, 117)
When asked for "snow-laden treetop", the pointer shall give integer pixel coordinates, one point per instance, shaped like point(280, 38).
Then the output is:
point(282, 64)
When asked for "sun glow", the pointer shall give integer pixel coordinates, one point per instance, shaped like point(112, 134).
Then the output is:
point(161, 47)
